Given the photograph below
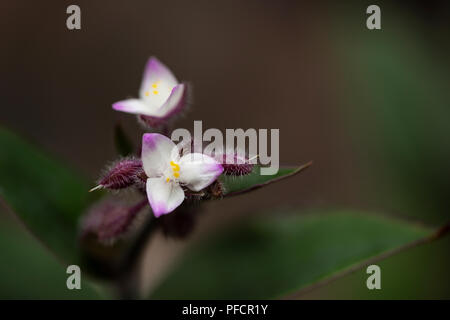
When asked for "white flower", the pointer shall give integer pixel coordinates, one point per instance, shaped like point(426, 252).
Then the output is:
point(160, 95)
point(168, 172)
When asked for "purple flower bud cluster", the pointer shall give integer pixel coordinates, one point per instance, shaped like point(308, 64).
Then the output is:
point(174, 180)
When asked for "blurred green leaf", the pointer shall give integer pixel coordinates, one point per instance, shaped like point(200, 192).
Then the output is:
point(45, 195)
point(278, 256)
point(29, 271)
point(123, 144)
point(397, 93)
point(237, 185)
point(419, 273)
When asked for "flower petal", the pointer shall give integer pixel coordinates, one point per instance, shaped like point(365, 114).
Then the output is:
point(197, 171)
point(175, 103)
point(156, 72)
point(157, 152)
point(163, 196)
point(135, 106)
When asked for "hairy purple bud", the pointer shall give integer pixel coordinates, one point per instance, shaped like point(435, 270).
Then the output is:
point(109, 220)
point(238, 166)
point(122, 174)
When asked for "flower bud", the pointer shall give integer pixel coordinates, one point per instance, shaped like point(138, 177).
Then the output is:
point(122, 174)
point(109, 220)
point(236, 165)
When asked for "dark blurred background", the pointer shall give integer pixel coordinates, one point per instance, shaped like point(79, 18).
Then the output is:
point(370, 108)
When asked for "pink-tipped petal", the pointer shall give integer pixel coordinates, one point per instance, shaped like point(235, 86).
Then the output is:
point(197, 171)
point(164, 197)
point(157, 152)
point(135, 106)
point(156, 71)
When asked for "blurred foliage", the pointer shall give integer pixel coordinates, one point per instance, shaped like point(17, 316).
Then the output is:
point(417, 273)
point(46, 196)
point(29, 271)
point(397, 91)
point(276, 256)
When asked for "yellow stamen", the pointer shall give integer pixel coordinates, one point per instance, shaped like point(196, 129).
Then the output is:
point(175, 167)
point(168, 179)
point(155, 92)
point(176, 174)
point(155, 85)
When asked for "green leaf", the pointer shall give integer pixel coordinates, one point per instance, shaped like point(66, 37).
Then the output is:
point(29, 271)
point(254, 180)
point(396, 93)
point(123, 144)
point(45, 195)
point(278, 256)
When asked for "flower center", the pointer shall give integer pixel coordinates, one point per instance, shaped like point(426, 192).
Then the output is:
point(157, 93)
point(154, 87)
point(175, 170)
